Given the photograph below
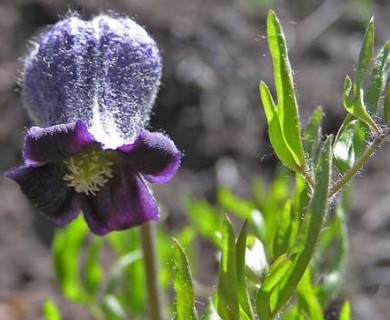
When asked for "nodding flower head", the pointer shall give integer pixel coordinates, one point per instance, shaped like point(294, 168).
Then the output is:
point(91, 86)
point(105, 72)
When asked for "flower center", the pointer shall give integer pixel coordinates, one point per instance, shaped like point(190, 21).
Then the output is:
point(89, 171)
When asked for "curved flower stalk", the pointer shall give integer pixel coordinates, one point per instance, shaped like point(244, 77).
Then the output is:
point(91, 86)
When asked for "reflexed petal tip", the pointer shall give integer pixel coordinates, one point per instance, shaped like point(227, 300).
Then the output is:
point(56, 143)
point(154, 155)
point(122, 203)
point(45, 188)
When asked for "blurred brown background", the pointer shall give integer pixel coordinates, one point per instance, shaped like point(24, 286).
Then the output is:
point(214, 53)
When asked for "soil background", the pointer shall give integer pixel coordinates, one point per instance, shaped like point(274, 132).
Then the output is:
point(215, 53)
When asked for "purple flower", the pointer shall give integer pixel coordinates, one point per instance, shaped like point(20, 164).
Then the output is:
point(91, 86)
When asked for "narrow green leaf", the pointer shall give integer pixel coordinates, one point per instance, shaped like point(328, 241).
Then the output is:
point(205, 219)
point(287, 105)
point(240, 207)
point(361, 138)
point(356, 107)
point(122, 242)
point(273, 203)
point(184, 289)
point(50, 310)
point(286, 231)
point(307, 299)
point(343, 151)
point(255, 259)
point(186, 238)
point(350, 142)
point(243, 295)
point(113, 309)
point(259, 192)
point(293, 313)
point(210, 313)
point(387, 105)
point(303, 193)
point(335, 233)
point(119, 269)
point(378, 79)
point(361, 112)
point(345, 313)
point(312, 137)
point(268, 293)
point(275, 131)
point(226, 298)
point(365, 55)
point(133, 297)
point(353, 99)
point(315, 216)
point(66, 248)
point(259, 196)
point(347, 91)
point(93, 270)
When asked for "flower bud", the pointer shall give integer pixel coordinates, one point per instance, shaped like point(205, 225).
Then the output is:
point(105, 72)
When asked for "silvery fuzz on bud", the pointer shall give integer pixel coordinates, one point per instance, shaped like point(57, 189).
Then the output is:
point(105, 72)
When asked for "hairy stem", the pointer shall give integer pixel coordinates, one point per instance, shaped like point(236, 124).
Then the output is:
point(151, 271)
point(359, 163)
point(308, 178)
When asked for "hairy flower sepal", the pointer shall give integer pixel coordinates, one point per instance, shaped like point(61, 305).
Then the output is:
point(67, 171)
point(105, 72)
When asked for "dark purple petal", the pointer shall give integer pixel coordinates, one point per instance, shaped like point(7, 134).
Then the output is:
point(56, 143)
point(154, 155)
point(45, 188)
point(123, 202)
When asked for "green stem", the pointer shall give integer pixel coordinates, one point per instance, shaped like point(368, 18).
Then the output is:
point(359, 163)
point(375, 128)
point(155, 304)
point(308, 178)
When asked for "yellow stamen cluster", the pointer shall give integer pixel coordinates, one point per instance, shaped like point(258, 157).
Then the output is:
point(89, 171)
